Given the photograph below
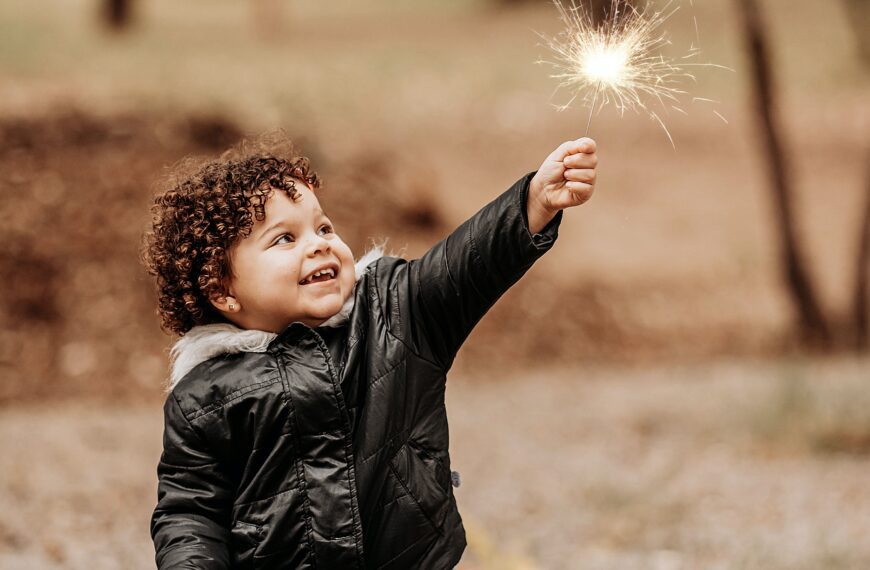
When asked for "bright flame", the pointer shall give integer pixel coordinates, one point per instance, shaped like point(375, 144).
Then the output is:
point(606, 65)
point(621, 61)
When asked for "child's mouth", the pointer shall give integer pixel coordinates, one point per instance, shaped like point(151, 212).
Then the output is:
point(320, 276)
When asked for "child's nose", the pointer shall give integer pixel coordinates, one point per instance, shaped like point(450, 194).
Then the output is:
point(318, 244)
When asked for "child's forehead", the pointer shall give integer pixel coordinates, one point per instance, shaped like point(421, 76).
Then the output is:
point(304, 204)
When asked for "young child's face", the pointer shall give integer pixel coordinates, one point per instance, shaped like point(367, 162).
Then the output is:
point(272, 268)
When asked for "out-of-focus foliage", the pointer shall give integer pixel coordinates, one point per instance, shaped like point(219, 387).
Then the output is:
point(859, 12)
point(417, 114)
point(117, 13)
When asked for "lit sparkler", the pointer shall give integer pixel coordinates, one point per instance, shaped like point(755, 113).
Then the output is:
point(620, 61)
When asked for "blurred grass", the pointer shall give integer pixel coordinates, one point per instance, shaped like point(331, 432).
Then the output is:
point(484, 552)
point(612, 468)
point(646, 467)
point(815, 414)
point(180, 53)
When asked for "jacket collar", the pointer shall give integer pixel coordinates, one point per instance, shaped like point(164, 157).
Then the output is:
point(208, 341)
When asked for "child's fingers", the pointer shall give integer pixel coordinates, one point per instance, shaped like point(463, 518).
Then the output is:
point(567, 148)
point(581, 160)
point(581, 175)
point(585, 146)
point(580, 192)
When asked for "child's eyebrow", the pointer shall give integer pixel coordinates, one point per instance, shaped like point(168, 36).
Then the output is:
point(317, 213)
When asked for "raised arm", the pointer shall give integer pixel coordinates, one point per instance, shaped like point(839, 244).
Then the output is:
point(453, 285)
point(190, 526)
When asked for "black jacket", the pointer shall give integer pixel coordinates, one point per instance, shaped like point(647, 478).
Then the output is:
point(288, 459)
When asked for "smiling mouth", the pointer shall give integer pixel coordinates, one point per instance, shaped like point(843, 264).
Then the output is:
point(321, 276)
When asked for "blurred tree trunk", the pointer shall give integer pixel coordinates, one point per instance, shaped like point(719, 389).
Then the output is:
point(859, 16)
point(813, 327)
point(117, 14)
point(861, 292)
point(599, 9)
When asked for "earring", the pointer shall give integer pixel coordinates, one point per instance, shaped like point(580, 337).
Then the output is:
point(232, 307)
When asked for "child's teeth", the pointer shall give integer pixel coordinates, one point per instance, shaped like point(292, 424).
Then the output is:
point(329, 272)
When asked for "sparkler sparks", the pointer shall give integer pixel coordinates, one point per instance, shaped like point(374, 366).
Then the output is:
point(620, 61)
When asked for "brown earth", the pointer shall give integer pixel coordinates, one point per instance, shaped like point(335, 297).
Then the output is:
point(729, 464)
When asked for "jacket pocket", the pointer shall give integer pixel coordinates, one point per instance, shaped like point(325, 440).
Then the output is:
point(426, 479)
point(245, 539)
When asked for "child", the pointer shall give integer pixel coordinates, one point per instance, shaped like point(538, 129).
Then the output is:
point(306, 427)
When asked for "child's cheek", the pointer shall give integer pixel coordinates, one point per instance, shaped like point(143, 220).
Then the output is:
point(349, 280)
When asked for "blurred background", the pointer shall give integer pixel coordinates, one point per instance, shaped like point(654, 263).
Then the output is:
point(682, 382)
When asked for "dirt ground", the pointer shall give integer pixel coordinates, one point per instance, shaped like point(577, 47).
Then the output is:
point(725, 465)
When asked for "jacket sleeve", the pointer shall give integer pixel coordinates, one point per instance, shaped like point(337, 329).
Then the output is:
point(460, 278)
point(190, 526)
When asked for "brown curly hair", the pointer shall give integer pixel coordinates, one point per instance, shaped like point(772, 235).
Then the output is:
point(206, 207)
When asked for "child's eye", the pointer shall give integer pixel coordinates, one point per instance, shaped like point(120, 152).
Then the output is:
point(284, 238)
point(326, 229)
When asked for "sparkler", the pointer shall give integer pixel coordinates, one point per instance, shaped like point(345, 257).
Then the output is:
point(620, 61)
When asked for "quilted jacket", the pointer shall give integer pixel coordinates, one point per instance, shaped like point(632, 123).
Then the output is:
point(282, 457)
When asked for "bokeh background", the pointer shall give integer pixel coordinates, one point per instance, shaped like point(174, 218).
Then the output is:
point(649, 396)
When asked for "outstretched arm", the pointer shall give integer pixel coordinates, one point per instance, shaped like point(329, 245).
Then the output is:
point(190, 525)
point(453, 285)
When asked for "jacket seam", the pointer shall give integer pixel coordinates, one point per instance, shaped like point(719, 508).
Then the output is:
point(233, 396)
point(188, 467)
point(393, 500)
point(260, 500)
point(441, 367)
point(416, 542)
point(396, 337)
point(478, 259)
point(186, 548)
point(300, 470)
point(339, 537)
point(348, 447)
point(413, 498)
point(204, 443)
point(190, 425)
point(384, 374)
point(387, 444)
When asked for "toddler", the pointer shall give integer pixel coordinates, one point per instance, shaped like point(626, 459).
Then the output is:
point(305, 425)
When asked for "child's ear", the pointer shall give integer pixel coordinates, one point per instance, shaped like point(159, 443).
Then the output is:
point(227, 304)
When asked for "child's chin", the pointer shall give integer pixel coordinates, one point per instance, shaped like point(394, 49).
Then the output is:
point(329, 310)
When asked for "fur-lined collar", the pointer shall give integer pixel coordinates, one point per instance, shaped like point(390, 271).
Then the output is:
point(208, 341)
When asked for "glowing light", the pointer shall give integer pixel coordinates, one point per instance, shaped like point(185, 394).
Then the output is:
point(622, 61)
point(606, 65)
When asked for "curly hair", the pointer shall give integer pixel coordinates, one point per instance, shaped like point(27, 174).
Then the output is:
point(202, 211)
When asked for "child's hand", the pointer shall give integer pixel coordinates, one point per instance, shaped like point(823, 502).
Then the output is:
point(565, 179)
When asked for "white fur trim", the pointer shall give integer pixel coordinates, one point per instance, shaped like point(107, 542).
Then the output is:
point(208, 341)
